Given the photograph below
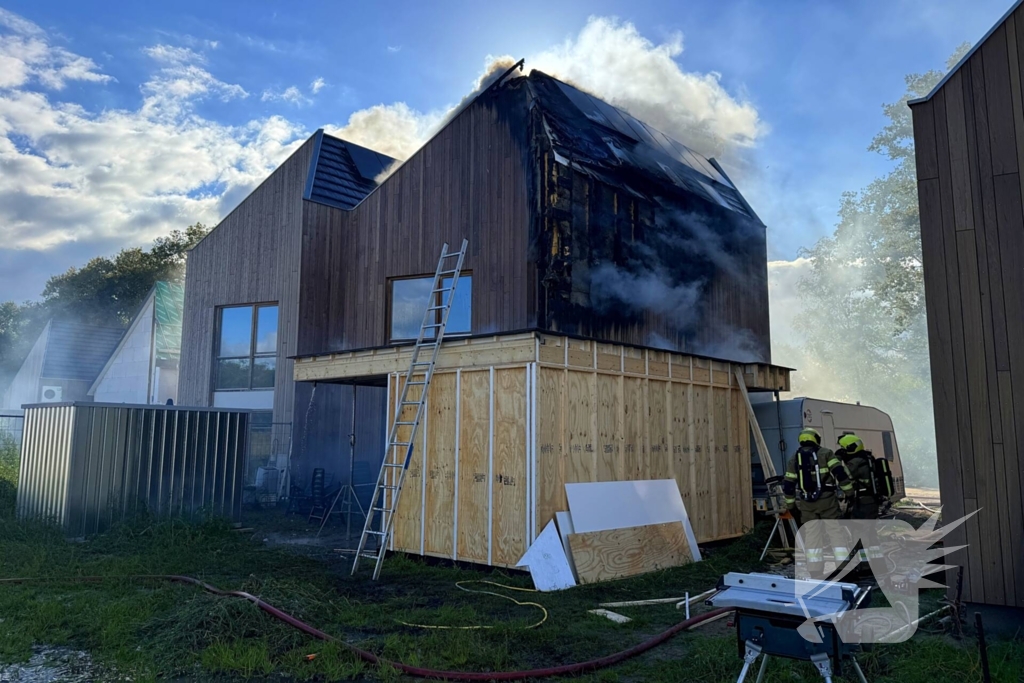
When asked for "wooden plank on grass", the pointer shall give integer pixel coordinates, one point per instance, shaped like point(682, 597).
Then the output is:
point(620, 553)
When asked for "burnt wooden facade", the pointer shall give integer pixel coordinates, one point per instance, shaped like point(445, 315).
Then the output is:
point(969, 139)
point(557, 243)
point(545, 202)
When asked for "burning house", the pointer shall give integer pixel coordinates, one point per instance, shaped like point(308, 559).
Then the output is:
point(614, 293)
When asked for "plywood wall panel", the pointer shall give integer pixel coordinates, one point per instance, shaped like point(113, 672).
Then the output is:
point(440, 467)
point(610, 463)
point(581, 464)
point(474, 466)
point(509, 482)
point(634, 462)
point(658, 430)
point(550, 445)
point(408, 532)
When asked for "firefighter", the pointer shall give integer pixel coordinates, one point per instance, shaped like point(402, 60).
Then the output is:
point(860, 462)
point(867, 500)
point(814, 479)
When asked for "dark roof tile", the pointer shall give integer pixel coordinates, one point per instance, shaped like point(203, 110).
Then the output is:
point(343, 173)
point(76, 351)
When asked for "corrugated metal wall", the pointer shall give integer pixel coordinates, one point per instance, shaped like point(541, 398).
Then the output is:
point(88, 465)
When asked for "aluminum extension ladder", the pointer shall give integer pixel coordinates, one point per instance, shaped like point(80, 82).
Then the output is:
point(399, 449)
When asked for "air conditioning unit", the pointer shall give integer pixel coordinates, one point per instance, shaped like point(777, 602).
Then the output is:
point(52, 394)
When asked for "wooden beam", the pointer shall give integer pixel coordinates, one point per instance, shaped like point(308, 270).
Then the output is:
point(453, 355)
point(762, 448)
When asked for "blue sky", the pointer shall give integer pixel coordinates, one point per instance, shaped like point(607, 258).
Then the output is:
point(120, 122)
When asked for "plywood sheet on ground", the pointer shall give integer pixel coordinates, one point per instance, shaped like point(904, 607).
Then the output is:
point(474, 471)
point(620, 553)
point(508, 519)
point(601, 506)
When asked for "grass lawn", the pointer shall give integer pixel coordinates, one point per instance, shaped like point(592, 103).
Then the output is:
point(145, 630)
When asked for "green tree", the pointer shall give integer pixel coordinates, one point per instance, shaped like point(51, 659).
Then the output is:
point(866, 287)
point(105, 291)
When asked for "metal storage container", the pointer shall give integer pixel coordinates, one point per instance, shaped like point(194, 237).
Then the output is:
point(87, 465)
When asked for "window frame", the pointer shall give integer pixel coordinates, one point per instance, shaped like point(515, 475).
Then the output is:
point(254, 322)
point(437, 301)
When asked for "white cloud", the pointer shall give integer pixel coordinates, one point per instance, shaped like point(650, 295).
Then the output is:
point(18, 24)
point(104, 179)
point(170, 54)
point(97, 180)
point(291, 95)
point(394, 48)
point(26, 57)
point(612, 60)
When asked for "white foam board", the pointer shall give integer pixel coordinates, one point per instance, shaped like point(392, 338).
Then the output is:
point(565, 527)
point(547, 562)
point(599, 506)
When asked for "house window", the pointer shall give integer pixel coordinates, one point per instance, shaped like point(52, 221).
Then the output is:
point(409, 300)
point(247, 347)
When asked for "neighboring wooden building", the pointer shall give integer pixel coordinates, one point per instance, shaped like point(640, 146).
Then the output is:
point(143, 369)
point(607, 264)
point(62, 365)
point(969, 139)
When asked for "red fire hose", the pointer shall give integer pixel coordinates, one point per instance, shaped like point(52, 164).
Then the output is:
point(578, 667)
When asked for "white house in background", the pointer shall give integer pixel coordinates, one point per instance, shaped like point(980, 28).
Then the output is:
point(62, 365)
point(144, 366)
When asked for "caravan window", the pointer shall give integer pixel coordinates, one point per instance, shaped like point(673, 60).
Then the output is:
point(887, 445)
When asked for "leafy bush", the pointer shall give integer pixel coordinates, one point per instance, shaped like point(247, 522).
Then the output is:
point(9, 463)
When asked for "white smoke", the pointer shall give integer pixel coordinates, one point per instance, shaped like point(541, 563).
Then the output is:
point(612, 60)
point(614, 289)
point(396, 130)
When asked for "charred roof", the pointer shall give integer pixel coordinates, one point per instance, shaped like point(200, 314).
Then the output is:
point(606, 142)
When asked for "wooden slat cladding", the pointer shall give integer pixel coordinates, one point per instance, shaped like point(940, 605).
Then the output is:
point(469, 181)
point(969, 139)
point(252, 256)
